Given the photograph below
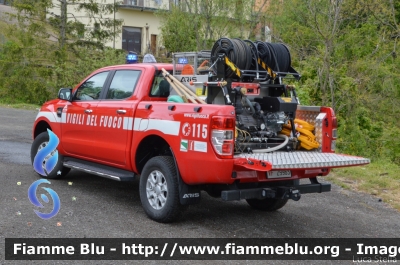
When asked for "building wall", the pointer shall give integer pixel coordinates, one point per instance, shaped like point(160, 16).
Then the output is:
point(132, 16)
point(146, 21)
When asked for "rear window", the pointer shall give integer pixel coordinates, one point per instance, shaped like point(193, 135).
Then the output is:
point(160, 86)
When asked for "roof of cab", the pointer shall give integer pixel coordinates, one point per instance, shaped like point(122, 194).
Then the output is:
point(157, 66)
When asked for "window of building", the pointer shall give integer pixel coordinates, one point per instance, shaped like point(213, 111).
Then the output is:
point(132, 39)
point(134, 2)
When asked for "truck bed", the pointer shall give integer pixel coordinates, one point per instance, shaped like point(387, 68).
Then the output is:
point(313, 159)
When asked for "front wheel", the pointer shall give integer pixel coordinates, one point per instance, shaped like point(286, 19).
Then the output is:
point(267, 204)
point(40, 142)
point(159, 191)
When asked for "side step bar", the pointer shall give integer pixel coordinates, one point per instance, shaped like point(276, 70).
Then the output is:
point(99, 170)
point(293, 192)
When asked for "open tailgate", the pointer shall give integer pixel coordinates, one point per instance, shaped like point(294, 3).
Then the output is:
point(304, 159)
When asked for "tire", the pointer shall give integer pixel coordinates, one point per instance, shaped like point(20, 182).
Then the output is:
point(267, 204)
point(59, 170)
point(159, 190)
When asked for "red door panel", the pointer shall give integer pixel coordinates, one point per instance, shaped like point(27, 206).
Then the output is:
point(115, 119)
point(79, 118)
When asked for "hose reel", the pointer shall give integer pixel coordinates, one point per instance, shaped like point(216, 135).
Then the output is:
point(248, 56)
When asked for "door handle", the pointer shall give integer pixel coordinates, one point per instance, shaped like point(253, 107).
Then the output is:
point(121, 111)
point(88, 111)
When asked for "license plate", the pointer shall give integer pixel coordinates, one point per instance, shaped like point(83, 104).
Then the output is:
point(279, 174)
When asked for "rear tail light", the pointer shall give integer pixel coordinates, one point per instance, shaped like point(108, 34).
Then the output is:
point(222, 123)
point(222, 141)
point(334, 134)
point(222, 138)
point(329, 131)
point(334, 127)
point(334, 122)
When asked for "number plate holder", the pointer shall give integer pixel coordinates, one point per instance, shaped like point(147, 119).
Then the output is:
point(277, 174)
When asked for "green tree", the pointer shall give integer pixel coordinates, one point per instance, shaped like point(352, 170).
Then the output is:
point(179, 31)
point(347, 53)
point(195, 25)
point(58, 19)
point(43, 49)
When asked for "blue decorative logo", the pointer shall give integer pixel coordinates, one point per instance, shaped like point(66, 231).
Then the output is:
point(44, 162)
point(47, 157)
point(34, 200)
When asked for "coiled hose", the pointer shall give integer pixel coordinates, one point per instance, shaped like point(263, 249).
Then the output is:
point(236, 50)
point(275, 55)
point(244, 54)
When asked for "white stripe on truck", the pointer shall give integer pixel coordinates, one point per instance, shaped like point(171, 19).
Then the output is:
point(166, 127)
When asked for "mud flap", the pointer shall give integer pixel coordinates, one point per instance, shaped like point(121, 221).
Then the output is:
point(188, 194)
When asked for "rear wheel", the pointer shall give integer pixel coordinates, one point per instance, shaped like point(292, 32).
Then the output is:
point(159, 191)
point(267, 204)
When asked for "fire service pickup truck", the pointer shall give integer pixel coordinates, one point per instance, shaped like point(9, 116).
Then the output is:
point(220, 121)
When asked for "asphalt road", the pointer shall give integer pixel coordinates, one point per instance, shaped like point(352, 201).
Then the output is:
point(98, 207)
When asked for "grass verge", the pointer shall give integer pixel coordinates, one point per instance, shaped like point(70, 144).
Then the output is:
point(20, 106)
point(380, 178)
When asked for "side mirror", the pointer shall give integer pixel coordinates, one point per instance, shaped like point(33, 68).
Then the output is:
point(64, 94)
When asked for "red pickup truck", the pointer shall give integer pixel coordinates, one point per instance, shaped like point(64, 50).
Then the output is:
point(119, 123)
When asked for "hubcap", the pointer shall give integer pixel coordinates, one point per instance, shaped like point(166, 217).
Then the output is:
point(156, 189)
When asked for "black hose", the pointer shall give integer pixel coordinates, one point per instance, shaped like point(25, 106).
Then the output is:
point(275, 55)
point(236, 50)
point(245, 53)
point(254, 54)
point(282, 57)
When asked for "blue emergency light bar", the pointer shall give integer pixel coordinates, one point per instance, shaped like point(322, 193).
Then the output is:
point(131, 57)
point(182, 60)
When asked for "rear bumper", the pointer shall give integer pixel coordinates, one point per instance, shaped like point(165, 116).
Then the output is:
point(293, 192)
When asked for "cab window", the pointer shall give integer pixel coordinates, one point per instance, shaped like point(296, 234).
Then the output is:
point(91, 88)
point(123, 84)
point(160, 87)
